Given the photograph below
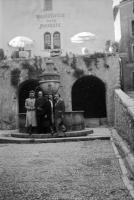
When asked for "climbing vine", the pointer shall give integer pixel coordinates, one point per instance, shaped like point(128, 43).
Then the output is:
point(65, 59)
point(33, 68)
point(2, 55)
point(77, 71)
point(15, 77)
point(74, 62)
point(88, 59)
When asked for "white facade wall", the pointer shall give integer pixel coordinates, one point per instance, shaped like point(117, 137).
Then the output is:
point(117, 24)
point(69, 17)
point(123, 26)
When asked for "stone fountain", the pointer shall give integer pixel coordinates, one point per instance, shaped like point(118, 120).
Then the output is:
point(49, 82)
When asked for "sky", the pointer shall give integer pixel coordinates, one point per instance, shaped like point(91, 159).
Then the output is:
point(100, 23)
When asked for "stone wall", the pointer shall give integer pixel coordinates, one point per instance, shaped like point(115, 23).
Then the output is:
point(8, 99)
point(127, 73)
point(110, 76)
point(107, 70)
point(124, 116)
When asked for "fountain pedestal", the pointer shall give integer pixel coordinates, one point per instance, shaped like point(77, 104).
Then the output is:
point(50, 79)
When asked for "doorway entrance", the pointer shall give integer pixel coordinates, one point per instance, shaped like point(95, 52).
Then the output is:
point(88, 94)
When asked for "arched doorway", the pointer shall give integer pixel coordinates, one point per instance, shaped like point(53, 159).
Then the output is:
point(88, 94)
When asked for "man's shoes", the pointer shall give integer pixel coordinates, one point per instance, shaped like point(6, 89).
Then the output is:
point(52, 131)
point(29, 130)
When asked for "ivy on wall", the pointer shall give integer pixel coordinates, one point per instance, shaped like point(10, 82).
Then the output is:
point(72, 62)
point(26, 65)
point(38, 63)
point(15, 77)
point(77, 71)
point(65, 59)
point(89, 59)
point(34, 66)
point(2, 55)
point(4, 66)
point(34, 69)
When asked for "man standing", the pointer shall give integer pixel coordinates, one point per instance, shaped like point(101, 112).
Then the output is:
point(30, 113)
point(50, 97)
point(39, 105)
point(47, 115)
point(43, 113)
point(59, 109)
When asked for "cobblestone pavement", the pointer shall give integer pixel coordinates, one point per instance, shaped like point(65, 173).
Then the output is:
point(85, 170)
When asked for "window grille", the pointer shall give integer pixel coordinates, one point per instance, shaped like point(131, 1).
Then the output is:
point(56, 40)
point(47, 40)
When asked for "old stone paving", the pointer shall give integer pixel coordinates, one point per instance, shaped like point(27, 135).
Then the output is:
point(72, 170)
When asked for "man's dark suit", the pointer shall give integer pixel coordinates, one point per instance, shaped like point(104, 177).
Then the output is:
point(59, 110)
point(43, 113)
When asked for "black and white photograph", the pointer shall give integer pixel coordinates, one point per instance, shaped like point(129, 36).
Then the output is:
point(66, 99)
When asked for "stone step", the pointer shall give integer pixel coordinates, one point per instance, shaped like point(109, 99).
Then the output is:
point(62, 134)
point(130, 94)
point(95, 122)
point(91, 134)
point(51, 140)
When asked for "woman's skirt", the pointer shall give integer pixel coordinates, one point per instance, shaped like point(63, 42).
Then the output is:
point(31, 118)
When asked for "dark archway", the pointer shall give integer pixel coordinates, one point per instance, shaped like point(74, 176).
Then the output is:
point(88, 94)
point(23, 92)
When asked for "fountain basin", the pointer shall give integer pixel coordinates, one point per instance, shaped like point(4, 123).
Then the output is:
point(74, 120)
point(21, 122)
point(49, 86)
point(50, 82)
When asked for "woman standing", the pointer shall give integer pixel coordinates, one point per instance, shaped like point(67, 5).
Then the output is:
point(30, 113)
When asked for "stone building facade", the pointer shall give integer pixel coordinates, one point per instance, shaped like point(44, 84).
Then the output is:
point(17, 78)
point(123, 12)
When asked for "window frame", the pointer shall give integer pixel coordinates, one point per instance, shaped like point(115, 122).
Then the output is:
point(45, 42)
point(54, 46)
point(48, 5)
